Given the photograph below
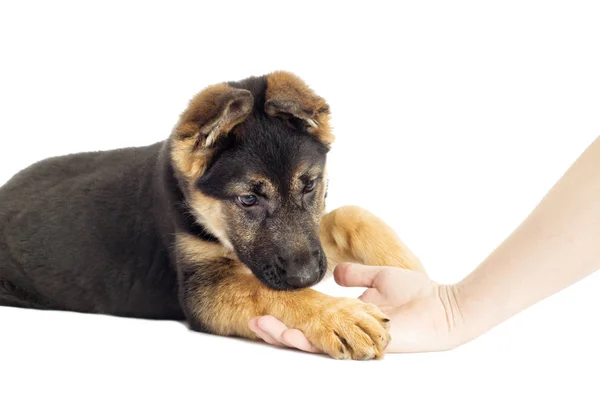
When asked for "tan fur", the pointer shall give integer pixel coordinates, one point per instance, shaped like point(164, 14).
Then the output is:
point(267, 186)
point(213, 112)
point(193, 249)
point(342, 328)
point(209, 212)
point(290, 94)
point(296, 183)
point(190, 163)
point(352, 234)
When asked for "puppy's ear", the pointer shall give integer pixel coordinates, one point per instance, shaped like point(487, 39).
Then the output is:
point(214, 112)
point(288, 96)
point(211, 114)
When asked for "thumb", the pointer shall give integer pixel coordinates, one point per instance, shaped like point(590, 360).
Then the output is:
point(353, 275)
point(372, 296)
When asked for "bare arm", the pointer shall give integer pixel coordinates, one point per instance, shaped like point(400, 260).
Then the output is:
point(557, 245)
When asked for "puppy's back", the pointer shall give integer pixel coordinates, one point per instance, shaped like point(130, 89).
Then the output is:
point(78, 229)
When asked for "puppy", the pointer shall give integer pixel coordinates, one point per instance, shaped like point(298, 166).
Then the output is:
point(221, 222)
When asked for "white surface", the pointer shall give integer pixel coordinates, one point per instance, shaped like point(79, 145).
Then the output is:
point(453, 119)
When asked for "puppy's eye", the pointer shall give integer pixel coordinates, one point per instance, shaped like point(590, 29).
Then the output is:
point(248, 201)
point(310, 186)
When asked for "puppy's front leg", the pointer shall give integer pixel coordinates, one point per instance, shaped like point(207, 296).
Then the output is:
point(220, 295)
point(352, 234)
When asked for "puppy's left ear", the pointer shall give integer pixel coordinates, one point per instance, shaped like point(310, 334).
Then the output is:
point(287, 96)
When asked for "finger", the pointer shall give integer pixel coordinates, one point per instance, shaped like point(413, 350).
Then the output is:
point(274, 327)
point(267, 338)
point(253, 324)
point(353, 275)
point(372, 296)
point(295, 338)
point(261, 333)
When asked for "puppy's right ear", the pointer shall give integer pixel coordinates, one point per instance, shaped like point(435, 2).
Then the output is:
point(212, 113)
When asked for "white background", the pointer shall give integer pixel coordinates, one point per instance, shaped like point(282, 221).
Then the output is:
point(453, 119)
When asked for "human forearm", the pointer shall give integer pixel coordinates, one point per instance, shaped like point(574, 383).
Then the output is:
point(557, 245)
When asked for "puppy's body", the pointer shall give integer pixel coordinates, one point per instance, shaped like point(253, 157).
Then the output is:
point(220, 223)
point(88, 233)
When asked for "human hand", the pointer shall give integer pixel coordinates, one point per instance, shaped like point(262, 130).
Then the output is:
point(424, 315)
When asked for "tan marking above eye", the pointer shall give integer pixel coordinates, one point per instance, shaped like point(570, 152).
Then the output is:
point(302, 172)
point(249, 186)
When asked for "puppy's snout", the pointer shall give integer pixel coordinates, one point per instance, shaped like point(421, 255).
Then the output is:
point(302, 269)
point(303, 278)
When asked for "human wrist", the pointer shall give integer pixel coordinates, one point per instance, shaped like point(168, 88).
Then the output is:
point(457, 321)
point(480, 309)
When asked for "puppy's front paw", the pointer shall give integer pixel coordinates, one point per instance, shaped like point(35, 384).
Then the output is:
point(348, 328)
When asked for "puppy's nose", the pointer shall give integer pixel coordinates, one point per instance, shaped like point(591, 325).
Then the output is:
point(302, 268)
point(303, 277)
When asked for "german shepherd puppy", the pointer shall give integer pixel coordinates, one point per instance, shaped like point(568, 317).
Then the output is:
point(220, 223)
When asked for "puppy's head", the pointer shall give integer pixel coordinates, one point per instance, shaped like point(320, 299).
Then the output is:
point(250, 156)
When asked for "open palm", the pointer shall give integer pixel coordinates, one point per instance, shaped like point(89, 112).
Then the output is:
point(423, 314)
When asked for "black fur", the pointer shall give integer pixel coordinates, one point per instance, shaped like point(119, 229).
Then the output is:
point(94, 232)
